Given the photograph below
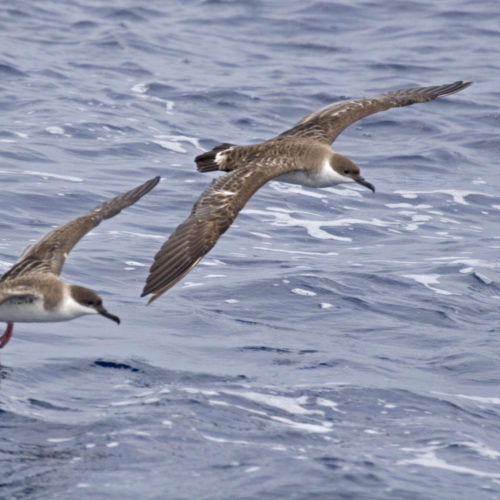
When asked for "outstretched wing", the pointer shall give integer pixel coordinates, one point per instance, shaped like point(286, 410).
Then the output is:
point(327, 123)
point(50, 251)
point(212, 214)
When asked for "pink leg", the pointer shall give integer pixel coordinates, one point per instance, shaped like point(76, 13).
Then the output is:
point(6, 335)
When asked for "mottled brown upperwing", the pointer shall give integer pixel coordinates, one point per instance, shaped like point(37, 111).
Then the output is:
point(327, 123)
point(211, 216)
point(48, 254)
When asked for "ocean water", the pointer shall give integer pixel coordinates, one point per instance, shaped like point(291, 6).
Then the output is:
point(335, 343)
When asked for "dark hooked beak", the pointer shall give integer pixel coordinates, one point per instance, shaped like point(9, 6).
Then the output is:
point(361, 180)
point(103, 311)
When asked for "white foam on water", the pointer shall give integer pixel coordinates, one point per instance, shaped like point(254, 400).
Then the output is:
point(139, 235)
point(493, 400)
point(297, 252)
point(427, 280)
point(408, 205)
point(283, 217)
point(55, 130)
point(172, 142)
point(421, 218)
point(261, 235)
point(458, 195)
point(172, 146)
point(472, 263)
point(216, 402)
point(301, 426)
point(345, 191)
point(211, 262)
point(126, 402)
point(290, 405)
point(204, 392)
point(140, 88)
point(481, 449)
point(144, 394)
point(223, 440)
point(301, 291)
point(53, 176)
point(255, 468)
point(426, 457)
point(192, 284)
point(329, 404)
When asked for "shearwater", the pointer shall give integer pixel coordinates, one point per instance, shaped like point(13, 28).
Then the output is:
point(300, 155)
point(31, 290)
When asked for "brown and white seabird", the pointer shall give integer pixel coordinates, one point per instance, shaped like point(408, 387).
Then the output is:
point(300, 155)
point(31, 291)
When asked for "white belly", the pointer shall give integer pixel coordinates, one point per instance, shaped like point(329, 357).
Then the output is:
point(324, 177)
point(13, 311)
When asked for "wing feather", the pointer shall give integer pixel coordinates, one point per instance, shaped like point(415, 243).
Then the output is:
point(19, 295)
point(211, 216)
point(327, 123)
point(50, 251)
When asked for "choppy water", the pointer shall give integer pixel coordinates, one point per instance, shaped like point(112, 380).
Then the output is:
point(335, 343)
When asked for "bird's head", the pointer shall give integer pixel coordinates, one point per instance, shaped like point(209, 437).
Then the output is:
point(348, 170)
point(90, 302)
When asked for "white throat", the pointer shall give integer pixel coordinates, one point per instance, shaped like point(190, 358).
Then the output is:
point(69, 308)
point(326, 176)
point(28, 311)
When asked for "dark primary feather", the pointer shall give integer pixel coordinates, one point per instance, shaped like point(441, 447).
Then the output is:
point(50, 251)
point(327, 123)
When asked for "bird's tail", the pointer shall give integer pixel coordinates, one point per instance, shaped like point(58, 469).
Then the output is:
point(208, 162)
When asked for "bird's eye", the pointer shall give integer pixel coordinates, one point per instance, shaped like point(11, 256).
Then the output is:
point(346, 172)
point(90, 303)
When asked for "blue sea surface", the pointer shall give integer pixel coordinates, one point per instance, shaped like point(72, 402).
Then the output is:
point(335, 344)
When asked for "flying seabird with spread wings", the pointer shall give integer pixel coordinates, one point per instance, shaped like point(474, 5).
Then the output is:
point(300, 155)
point(31, 291)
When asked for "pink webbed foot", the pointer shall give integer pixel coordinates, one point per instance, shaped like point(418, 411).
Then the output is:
point(6, 335)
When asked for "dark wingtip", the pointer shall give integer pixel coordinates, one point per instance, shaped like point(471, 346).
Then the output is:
point(454, 87)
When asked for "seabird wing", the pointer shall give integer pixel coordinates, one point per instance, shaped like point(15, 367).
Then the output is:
point(19, 295)
point(50, 251)
point(211, 216)
point(327, 123)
